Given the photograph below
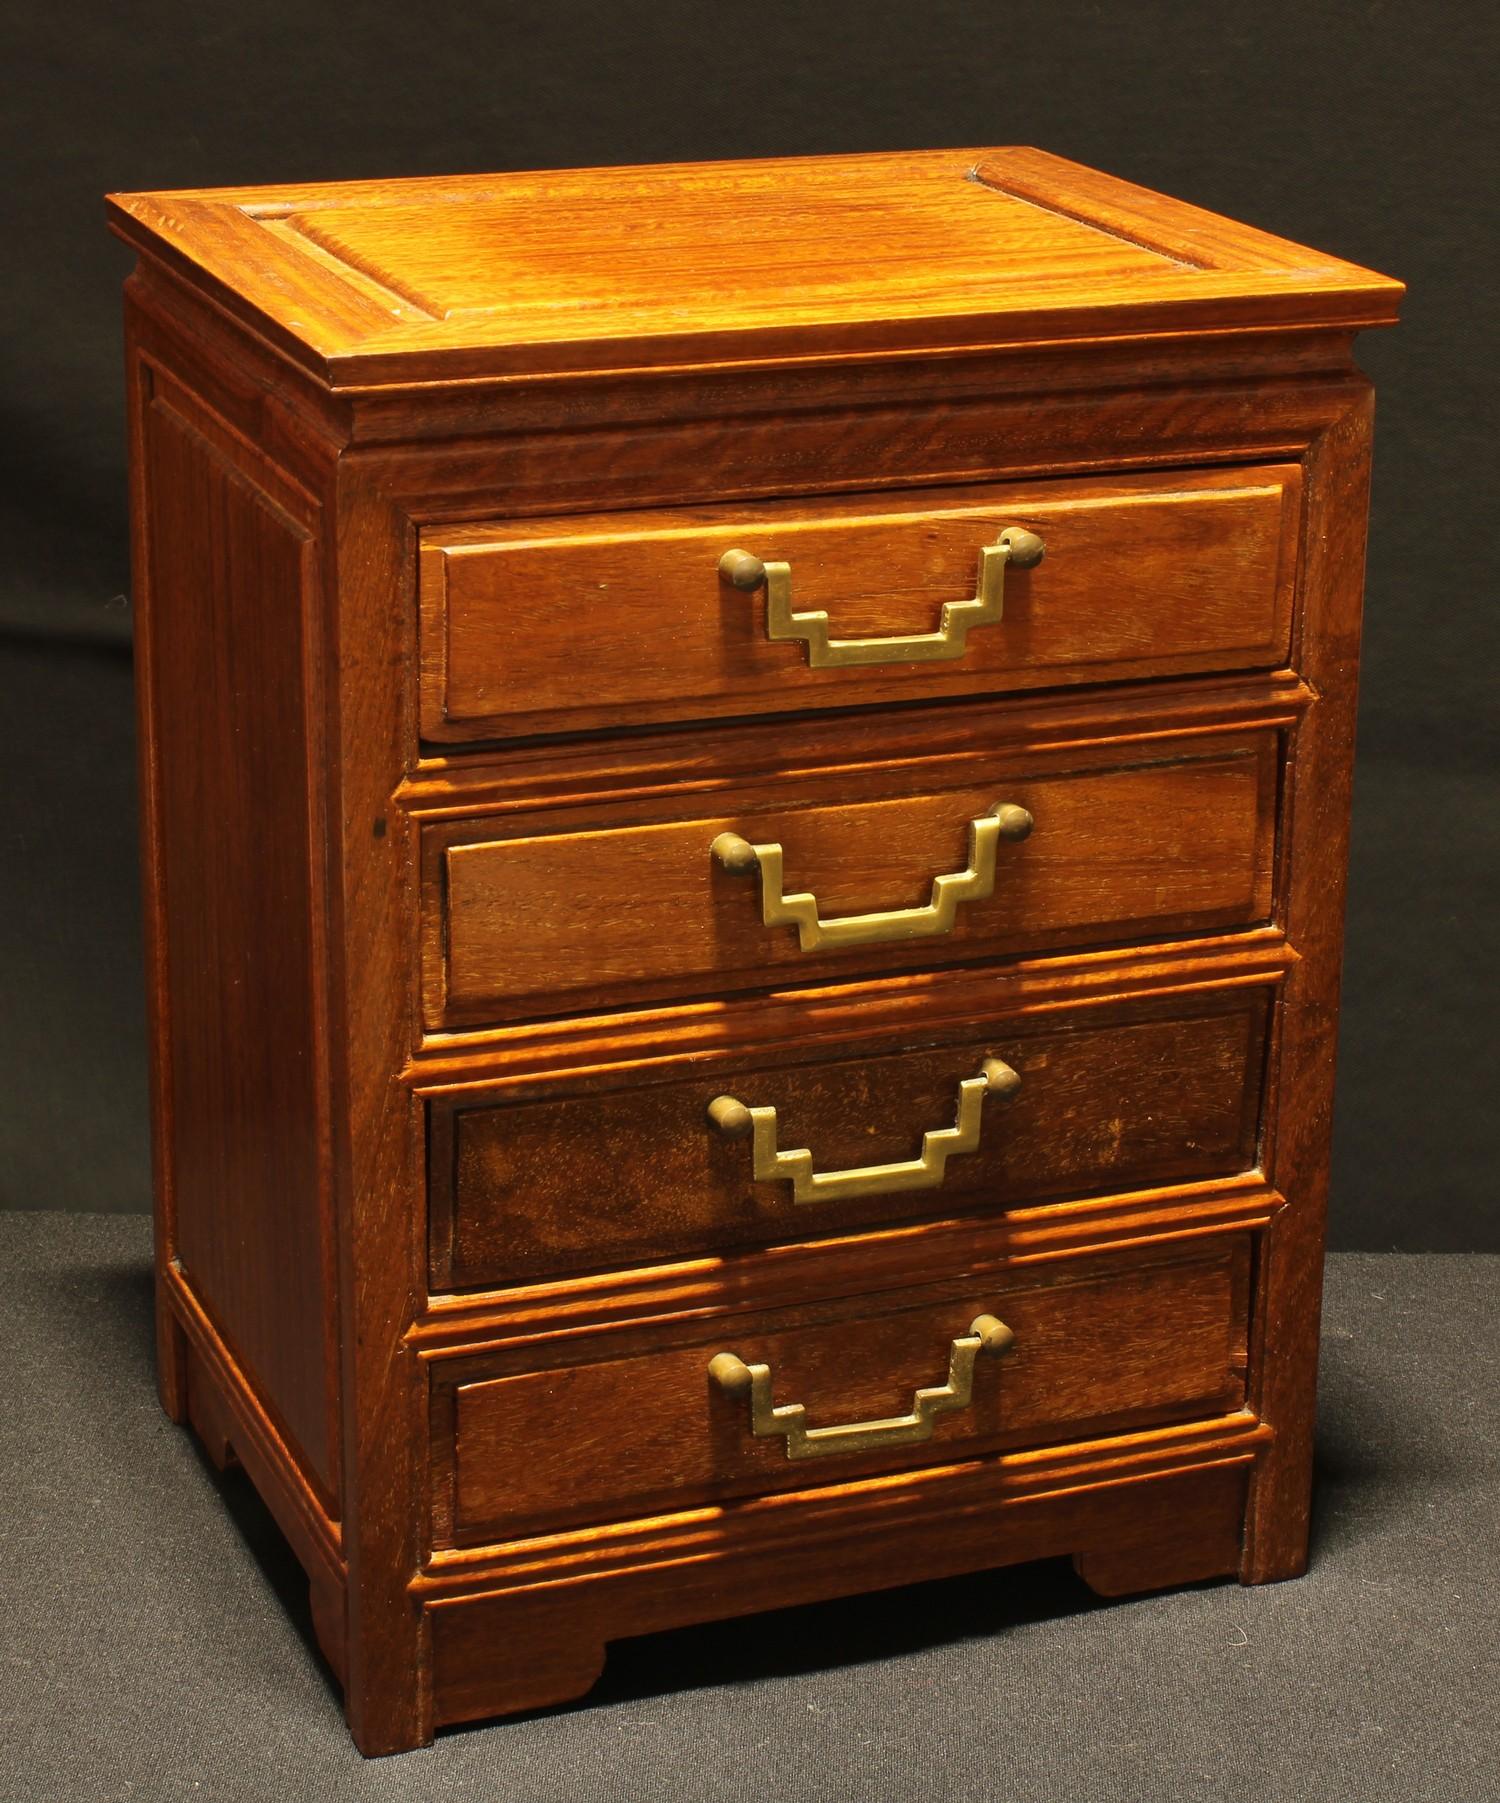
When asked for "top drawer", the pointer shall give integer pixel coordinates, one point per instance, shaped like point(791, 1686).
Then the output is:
point(605, 620)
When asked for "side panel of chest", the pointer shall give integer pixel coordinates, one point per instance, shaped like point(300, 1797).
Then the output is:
point(229, 626)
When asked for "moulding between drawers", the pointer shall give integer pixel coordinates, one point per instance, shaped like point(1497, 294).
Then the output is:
point(893, 1258)
point(653, 1037)
point(268, 1456)
point(758, 1525)
point(530, 777)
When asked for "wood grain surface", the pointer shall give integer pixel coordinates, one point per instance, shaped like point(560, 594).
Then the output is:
point(1173, 841)
point(1100, 1346)
point(550, 271)
point(1146, 576)
point(229, 586)
point(1167, 1512)
point(1162, 1092)
point(511, 971)
point(1315, 853)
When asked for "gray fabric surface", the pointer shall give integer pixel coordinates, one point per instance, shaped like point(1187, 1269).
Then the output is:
point(156, 1638)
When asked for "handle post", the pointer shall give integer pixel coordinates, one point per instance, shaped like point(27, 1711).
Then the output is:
point(736, 855)
point(927, 1170)
point(1016, 545)
point(731, 1375)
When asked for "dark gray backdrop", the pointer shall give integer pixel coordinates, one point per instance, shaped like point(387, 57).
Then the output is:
point(1365, 129)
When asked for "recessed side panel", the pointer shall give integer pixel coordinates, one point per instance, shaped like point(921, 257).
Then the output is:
point(230, 573)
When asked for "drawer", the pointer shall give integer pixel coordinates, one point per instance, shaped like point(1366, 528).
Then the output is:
point(625, 619)
point(527, 916)
point(1096, 1346)
point(1154, 1092)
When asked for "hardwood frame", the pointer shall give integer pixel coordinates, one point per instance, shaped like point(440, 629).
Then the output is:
point(361, 473)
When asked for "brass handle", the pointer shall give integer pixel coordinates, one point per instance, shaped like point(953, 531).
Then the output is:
point(741, 858)
point(745, 571)
point(927, 1171)
point(734, 1377)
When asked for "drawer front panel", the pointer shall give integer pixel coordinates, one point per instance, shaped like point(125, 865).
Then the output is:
point(1099, 1346)
point(1143, 842)
point(1157, 1092)
point(611, 620)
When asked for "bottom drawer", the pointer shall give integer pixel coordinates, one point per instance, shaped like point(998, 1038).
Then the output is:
point(1070, 1350)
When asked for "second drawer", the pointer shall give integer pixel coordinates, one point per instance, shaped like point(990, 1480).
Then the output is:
point(1157, 1091)
point(842, 875)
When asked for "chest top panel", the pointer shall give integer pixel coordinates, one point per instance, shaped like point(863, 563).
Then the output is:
point(372, 283)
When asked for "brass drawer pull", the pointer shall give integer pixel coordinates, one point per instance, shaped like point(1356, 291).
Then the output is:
point(744, 571)
point(939, 1144)
point(741, 858)
point(734, 1377)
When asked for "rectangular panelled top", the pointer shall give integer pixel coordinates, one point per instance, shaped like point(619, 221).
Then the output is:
point(377, 283)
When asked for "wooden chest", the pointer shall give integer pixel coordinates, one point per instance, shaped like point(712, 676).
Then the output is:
point(745, 775)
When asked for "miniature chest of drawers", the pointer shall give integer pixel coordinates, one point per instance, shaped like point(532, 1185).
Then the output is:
point(745, 775)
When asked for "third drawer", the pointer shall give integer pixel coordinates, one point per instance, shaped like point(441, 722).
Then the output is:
point(1122, 1096)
